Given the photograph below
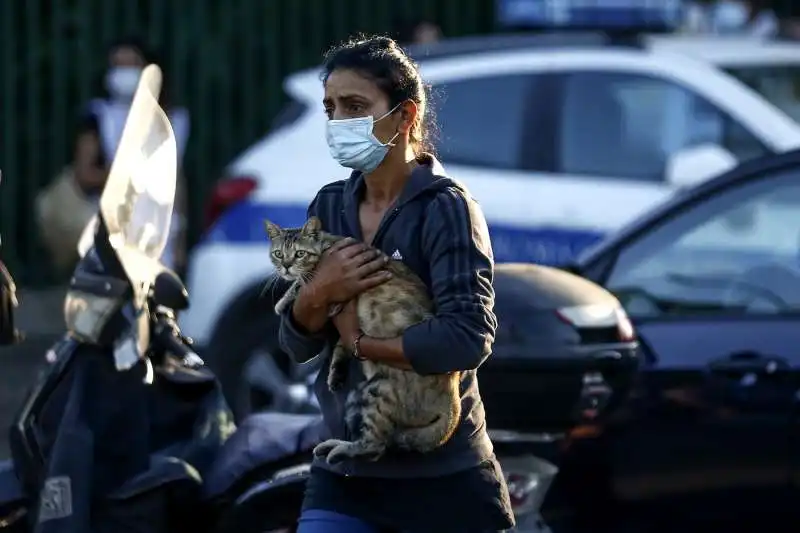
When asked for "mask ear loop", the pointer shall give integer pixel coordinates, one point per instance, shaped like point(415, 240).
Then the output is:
point(390, 143)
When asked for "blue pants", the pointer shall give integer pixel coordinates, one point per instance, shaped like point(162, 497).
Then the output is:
point(318, 521)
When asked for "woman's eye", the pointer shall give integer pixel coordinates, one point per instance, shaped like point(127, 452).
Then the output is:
point(300, 253)
point(278, 254)
point(356, 108)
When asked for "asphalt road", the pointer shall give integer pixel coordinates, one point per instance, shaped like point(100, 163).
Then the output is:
point(19, 367)
point(40, 317)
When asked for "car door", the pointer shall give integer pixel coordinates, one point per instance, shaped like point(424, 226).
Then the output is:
point(713, 288)
point(484, 138)
point(528, 133)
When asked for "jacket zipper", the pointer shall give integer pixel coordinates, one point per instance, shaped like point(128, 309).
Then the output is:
point(383, 225)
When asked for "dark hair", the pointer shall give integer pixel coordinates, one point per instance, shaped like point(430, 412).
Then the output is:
point(382, 61)
point(134, 43)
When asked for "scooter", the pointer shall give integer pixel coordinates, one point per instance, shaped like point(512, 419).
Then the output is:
point(258, 481)
point(121, 425)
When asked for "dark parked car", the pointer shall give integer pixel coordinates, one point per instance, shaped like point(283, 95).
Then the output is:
point(709, 435)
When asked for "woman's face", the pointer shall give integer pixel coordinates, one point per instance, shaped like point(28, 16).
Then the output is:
point(348, 94)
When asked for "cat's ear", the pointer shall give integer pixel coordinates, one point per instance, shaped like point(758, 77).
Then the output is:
point(273, 230)
point(312, 226)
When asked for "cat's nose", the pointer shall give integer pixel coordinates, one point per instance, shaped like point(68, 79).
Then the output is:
point(287, 264)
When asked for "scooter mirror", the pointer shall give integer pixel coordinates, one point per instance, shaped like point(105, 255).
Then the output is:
point(168, 291)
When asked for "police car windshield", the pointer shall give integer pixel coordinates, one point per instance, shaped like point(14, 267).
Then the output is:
point(780, 84)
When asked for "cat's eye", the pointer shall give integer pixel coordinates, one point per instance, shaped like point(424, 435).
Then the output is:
point(277, 253)
point(300, 254)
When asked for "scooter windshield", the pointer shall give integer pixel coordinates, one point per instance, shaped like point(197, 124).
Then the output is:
point(137, 201)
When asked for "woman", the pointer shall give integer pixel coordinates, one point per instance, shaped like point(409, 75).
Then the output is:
point(400, 201)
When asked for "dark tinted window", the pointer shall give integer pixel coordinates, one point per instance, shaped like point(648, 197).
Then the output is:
point(628, 125)
point(481, 121)
point(735, 252)
point(780, 84)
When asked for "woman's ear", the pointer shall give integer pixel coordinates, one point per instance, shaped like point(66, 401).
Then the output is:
point(409, 112)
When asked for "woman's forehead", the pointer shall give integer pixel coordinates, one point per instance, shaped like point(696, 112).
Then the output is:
point(345, 83)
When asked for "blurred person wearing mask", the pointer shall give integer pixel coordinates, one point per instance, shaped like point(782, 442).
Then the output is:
point(752, 18)
point(66, 206)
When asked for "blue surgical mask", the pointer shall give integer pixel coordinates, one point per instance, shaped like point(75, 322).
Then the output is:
point(353, 144)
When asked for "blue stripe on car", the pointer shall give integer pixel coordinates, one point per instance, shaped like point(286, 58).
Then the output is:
point(244, 224)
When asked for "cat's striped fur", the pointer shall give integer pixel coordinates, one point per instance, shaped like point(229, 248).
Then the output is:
point(391, 407)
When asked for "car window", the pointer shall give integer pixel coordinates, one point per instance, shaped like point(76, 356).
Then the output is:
point(780, 84)
point(627, 125)
point(737, 251)
point(481, 120)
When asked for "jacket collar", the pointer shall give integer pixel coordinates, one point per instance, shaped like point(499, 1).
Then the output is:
point(429, 173)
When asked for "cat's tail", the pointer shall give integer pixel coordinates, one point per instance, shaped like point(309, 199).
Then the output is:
point(427, 438)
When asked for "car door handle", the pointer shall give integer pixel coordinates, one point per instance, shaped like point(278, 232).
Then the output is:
point(749, 362)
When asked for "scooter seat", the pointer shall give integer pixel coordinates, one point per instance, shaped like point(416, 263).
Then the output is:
point(262, 439)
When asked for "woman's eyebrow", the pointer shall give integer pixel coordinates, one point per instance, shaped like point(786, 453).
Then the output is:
point(351, 97)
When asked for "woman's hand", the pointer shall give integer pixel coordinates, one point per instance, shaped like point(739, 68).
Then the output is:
point(346, 322)
point(346, 270)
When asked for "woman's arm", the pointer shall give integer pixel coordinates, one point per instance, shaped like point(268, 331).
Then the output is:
point(461, 334)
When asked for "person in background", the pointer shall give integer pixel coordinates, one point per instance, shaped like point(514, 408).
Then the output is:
point(762, 20)
point(696, 18)
point(65, 207)
point(752, 18)
point(418, 31)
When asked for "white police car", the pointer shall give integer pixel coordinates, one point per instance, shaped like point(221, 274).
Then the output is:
point(561, 138)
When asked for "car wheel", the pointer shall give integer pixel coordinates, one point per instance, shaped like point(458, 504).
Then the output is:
point(255, 374)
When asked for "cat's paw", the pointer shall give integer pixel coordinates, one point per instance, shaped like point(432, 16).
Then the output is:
point(324, 448)
point(352, 450)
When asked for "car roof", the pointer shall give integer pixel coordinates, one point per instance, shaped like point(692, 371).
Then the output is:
point(711, 48)
point(727, 51)
point(459, 46)
point(743, 172)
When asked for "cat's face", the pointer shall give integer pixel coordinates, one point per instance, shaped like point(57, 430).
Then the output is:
point(296, 251)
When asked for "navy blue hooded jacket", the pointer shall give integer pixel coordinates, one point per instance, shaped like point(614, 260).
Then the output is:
point(439, 232)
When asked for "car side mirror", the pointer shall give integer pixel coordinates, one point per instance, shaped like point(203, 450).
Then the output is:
point(695, 164)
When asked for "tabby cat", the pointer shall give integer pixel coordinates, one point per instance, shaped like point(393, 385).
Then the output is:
point(391, 407)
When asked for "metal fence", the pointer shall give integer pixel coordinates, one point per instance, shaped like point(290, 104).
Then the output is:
point(223, 59)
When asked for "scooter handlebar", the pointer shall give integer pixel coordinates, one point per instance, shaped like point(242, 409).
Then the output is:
point(167, 337)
